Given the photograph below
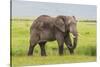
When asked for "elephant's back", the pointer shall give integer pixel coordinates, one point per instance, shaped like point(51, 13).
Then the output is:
point(44, 18)
point(43, 22)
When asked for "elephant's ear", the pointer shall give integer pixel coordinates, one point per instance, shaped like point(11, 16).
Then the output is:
point(75, 18)
point(60, 23)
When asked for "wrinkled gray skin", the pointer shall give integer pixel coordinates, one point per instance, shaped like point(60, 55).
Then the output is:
point(46, 28)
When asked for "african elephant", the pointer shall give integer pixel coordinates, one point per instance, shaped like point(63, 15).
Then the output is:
point(46, 28)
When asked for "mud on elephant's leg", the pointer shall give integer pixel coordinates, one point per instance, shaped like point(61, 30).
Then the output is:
point(31, 48)
point(42, 47)
point(68, 43)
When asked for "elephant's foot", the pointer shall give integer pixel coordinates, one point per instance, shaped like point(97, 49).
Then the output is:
point(30, 53)
point(31, 49)
point(71, 51)
point(61, 54)
point(43, 53)
point(61, 50)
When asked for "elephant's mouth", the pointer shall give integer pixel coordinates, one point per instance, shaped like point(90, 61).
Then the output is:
point(74, 34)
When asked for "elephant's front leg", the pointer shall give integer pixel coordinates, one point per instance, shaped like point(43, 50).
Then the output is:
point(61, 47)
point(68, 43)
point(60, 40)
point(42, 47)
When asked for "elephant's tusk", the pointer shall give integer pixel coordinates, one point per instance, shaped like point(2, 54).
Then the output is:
point(73, 36)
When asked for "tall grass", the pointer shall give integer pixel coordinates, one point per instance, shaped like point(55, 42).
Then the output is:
point(86, 47)
point(20, 39)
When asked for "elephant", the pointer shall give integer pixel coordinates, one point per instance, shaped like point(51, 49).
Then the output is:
point(46, 28)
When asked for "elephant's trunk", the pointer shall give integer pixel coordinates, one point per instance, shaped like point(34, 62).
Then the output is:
point(75, 38)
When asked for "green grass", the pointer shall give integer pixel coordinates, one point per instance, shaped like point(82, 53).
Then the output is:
point(37, 60)
point(85, 51)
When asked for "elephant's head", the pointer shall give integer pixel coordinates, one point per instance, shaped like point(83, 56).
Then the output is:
point(68, 24)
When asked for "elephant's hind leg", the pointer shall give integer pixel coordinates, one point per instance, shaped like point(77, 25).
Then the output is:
point(31, 48)
point(42, 47)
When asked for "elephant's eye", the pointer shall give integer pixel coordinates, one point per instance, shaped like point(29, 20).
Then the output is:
point(72, 24)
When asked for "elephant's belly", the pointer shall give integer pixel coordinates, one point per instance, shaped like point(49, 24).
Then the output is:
point(47, 36)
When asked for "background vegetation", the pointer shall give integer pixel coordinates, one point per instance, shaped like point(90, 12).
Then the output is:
point(85, 51)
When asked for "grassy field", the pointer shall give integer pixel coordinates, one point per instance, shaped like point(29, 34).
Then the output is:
point(85, 51)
